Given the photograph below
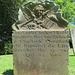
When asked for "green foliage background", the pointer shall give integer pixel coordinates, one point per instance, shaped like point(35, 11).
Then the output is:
point(68, 9)
point(8, 16)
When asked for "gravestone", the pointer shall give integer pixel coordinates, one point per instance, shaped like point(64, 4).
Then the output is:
point(73, 38)
point(40, 43)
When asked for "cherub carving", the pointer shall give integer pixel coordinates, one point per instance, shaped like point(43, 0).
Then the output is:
point(45, 15)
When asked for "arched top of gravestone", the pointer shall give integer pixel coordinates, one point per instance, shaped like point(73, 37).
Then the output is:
point(40, 15)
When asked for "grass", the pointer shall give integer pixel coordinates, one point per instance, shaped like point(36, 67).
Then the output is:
point(71, 64)
point(6, 64)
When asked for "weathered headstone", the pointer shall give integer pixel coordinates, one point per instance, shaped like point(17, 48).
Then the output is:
point(40, 43)
point(40, 52)
point(73, 38)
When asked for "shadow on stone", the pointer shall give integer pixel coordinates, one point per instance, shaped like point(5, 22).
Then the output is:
point(8, 72)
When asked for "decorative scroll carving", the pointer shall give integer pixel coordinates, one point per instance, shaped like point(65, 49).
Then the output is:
point(40, 15)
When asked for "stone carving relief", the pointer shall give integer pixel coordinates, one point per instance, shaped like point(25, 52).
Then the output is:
point(40, 15)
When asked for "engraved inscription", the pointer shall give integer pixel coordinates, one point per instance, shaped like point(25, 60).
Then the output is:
point(41, 52)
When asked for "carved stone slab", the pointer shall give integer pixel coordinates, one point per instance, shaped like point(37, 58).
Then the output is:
point(40, 52)
point(40, 15)
point(73, 38)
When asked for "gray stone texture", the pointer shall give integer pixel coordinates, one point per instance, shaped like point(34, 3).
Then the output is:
point(73, 38)
point(40, 52)
point(40, 15)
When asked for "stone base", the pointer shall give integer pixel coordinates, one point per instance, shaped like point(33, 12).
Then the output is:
point(40, 52)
